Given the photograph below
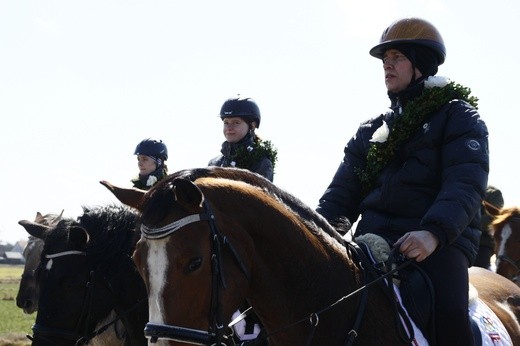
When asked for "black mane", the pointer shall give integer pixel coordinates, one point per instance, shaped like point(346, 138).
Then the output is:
point(111, 231)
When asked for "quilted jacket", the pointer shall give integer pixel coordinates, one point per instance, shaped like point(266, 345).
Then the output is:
point(436, 180)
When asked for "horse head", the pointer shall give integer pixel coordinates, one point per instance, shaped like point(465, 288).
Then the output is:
point(188, 264)
point(505, 228)
point(27, 296)
point(85, 273)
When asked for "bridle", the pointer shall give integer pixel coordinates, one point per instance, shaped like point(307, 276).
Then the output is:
point(80, 335)
point(516, 264)
point(44, 332)
point(215, 335)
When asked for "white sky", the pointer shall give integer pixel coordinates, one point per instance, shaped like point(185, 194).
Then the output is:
point(82, 82)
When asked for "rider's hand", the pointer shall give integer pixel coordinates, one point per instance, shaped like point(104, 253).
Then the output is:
point(417, 244)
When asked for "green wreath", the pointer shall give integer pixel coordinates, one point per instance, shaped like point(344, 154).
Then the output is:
point(247, 156)
point(405, 125)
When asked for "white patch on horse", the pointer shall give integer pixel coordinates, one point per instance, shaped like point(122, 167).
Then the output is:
point(49, 265)
point(505, 234)
point(157, 263)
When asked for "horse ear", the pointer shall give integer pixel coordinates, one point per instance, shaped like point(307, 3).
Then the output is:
point(78, 236)
point(35, 229)
point(187, 193)
point(39, 217)
point(131, 197)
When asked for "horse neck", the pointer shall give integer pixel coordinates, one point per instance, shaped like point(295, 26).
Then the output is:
point(300, 266)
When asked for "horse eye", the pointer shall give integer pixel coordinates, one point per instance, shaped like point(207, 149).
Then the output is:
point(194, 264)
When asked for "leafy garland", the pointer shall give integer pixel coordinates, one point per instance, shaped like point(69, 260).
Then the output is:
point(405, 125)
point(247, 156)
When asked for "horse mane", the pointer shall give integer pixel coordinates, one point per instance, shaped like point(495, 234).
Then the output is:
point(111, 231)
point(502, 218)
point(161, 196)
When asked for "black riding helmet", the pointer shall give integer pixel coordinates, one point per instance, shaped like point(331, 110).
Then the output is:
point(152, 147)
point(244, 108)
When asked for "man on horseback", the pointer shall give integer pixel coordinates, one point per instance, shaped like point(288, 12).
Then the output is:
point(416, 175)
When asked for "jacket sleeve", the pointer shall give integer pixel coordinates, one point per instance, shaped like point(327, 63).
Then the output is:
point(465, 168)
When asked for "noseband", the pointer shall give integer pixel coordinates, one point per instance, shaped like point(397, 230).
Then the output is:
point(216, 331)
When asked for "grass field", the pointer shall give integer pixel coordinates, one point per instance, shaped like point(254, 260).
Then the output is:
point(14, 324)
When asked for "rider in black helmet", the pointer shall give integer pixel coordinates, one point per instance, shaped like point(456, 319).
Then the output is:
point(151, 157)
point(243, 148)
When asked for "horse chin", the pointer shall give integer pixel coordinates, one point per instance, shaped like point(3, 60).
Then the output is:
point(28, 307)
point(29, 310)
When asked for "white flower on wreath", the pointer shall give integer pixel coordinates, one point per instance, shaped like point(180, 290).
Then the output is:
point(381, 134)
point(436, 81)
point(151, 180)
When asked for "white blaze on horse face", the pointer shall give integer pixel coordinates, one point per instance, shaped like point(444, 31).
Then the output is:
point(157, 263)
point(506, 233)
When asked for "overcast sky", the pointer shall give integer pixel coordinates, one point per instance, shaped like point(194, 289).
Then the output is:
point(82, 82)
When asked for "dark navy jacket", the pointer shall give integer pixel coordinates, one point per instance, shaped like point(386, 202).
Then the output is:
point(436, 181)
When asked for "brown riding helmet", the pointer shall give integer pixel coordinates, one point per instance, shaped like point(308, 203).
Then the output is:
point(411, 30)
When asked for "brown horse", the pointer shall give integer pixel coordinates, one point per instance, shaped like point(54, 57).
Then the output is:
point(214, 237)
point(506, 231)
